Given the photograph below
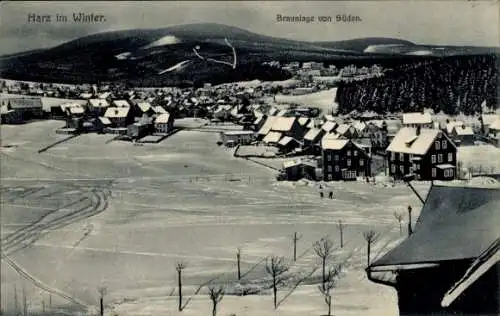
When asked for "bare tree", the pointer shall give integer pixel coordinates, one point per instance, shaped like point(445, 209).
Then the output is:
point(370, 237)
point(324, 250)
point(275, 268)
point(340, 224)
point(326, 288)
point(399, 218)
point(179, 267)
point(102, 292)
point(216, 293)
point(16, 301)
point(238, 260)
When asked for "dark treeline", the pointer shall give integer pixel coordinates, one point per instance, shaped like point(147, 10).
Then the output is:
point(450, 84)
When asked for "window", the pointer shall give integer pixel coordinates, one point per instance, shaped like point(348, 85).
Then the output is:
point(329, 157)
point(433, 172)
point(446, 174)
point(402, 169)
point(410, 169)
point(348, 153)
point(393, 168)
point(361, 162)
point(411, 157)
point(440, 158)
point(393, 156)
point(336, 168)
point(355, 153)
point(329, 177)
point(437, 145)
point(329, 168)
point(433, 159)
point(451, 173)
point(336, 157)
point(417, 166)
point(444, 144)
point(348, 162)
point(450, 157)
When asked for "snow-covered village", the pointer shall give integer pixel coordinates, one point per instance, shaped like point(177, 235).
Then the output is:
point(358, 177)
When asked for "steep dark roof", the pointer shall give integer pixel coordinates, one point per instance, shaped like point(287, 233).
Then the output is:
point(455, 223)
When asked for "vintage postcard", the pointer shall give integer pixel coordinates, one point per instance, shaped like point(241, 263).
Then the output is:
point(250, 158)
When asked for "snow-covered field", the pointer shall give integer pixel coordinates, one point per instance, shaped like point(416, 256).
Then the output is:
point(324, 100)
point(90, 213)
point(485, 157)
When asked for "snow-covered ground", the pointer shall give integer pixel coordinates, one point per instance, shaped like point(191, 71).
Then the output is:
point(484, 157)
point(184, 199)
point(323, 100)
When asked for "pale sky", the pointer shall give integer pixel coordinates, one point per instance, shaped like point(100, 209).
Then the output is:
point(444, 22)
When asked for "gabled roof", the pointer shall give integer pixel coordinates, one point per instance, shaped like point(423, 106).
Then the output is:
point(360, 126)
point(104, 120)
point(159, 110)
point(452, 124)
point(162, 118)
point(495, 124)
point(286, 140)
point(258, 120)
point(328, 126)
point(116, 112)
point(329, 117)
point(99, 103)
point(312, 134)
point(343, 128)
point(268, 124)
point(417, 118)
point(283, 124)
point(282, 113)
point(303, 121)
point(120, 103)
point(333, 144)
point(272, 137)
point(455, 223)
point(273, 111)
point(144, 106)
point(407, 141)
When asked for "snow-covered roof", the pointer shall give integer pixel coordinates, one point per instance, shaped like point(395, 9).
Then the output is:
point(343, 128)
point(360, 126)
point(104, 95)
point(144, 106)
point(312, 134)
point(333, 144)
point(291, 163)
point(4, 109)
point(311, 124)
point(407, 141)
point(495, 124)
point(76, 109)
point(272, 137)
point(377, 123)
point(159, 110)
point(417, 118)
point(451, 125)
point(283, 124)
point(258, 120)
point(285, 140)
point(282, 113)
point(273, 111)
point(104, 120)
point(268, 124)
point(99, 103)
point(328, 126)
point(121, 103)
point(116, 112)
point(329, 117)
point(463, 130)
point(86, 95)
point(162, 118)
point(238, 133)
point(445, 166)
point(303, 121)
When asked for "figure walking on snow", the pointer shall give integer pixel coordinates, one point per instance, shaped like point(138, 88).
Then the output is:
point(321, 194)
point(330, 195)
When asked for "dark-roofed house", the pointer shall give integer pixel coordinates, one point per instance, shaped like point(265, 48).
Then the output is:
point(287, 144)
point(288, 126)
point(344, 160)
point(347, 131)
point(97, 107)
point(120, 117)
point(449, 265)
point(426, 153)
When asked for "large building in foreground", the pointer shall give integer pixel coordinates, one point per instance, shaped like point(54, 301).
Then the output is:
point(449, 265)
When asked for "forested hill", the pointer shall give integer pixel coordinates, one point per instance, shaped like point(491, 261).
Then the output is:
point(451, 84)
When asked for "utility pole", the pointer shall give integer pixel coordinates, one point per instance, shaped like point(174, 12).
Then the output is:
point(410, 230)
point(238, 257)
point(295, 239)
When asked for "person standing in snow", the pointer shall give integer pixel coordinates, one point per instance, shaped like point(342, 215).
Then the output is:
point(330, 195)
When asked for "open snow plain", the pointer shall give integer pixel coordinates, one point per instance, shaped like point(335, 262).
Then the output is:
point(92, 213)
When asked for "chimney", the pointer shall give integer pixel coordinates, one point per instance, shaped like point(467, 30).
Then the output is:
point(418, 130)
